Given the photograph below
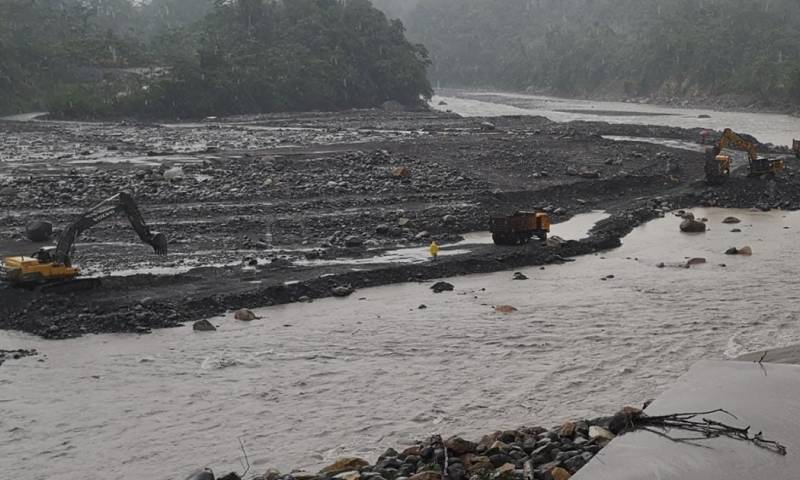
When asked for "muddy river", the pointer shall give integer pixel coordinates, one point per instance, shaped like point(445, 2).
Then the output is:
point(768, 128)
point(309, 382)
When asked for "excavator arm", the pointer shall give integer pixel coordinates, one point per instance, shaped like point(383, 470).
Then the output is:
point(731, 138)
point(120, 203)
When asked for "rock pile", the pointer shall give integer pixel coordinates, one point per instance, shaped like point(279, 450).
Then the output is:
point(522, 454)
point(15, 354)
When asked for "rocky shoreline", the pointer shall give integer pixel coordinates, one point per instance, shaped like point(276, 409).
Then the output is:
point(724, 103)
point(527, 453)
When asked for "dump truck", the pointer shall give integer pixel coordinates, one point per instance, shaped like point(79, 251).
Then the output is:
point(519, 228)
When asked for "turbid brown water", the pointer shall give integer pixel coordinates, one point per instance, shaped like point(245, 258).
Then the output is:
point(309, 382)
point(773, 128)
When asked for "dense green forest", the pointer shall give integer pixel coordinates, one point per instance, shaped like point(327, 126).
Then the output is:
point(197, 57)
point(189, 58)
point(631, 48)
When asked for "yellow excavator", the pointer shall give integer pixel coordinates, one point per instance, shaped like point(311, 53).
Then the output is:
point(718, 164)
point(51, 268)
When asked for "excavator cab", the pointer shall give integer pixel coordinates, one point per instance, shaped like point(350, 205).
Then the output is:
point(718, 166)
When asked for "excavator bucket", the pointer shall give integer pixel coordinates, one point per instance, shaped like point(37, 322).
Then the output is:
point(159, 243)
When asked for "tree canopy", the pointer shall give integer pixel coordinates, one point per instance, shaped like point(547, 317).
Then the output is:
point(630, 47)
point(77, 57)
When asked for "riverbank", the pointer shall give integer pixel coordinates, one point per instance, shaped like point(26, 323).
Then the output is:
point(724, 103)
point(524, 453)
point(275, 209)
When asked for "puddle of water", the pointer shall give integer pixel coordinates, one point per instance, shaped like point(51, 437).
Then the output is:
point(153, 161)
point(690, 146)
point(294, 384)
point(574, 229)
point(24, 117)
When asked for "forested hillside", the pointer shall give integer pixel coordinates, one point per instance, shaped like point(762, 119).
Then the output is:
point(96, 58)
point(628, 48)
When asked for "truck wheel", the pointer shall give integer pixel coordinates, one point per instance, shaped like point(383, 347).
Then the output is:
point(497, 239)
point(526, 237)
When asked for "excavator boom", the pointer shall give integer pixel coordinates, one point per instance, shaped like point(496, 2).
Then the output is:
point(731, 138)
point(120, 203)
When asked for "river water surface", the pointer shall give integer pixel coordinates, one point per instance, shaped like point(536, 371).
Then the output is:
point(309, 382)
point(766, 127)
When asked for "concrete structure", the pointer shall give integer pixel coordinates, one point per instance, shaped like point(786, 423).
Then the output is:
point(765, 397)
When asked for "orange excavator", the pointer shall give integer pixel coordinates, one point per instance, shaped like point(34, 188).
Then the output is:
point(718, 164)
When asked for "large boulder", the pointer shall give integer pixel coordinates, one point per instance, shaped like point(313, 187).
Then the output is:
point(205, 474)
point(204, 326)
point(244, 315)
point(346, 464)
point(174, 173)
point(342, 290)
point(600, 434)
point(555, 241)
point(505, 309)
point(427, 475)
point(401, 172)
point(353, 241)
point(692, 226)
point(459, 446)
point(39, 231)
point(587, 172)
point(440, 287)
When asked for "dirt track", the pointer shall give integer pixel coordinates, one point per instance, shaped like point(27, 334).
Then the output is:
point(264, 208)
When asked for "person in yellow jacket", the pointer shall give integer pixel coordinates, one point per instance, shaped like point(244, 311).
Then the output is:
point(434, 250)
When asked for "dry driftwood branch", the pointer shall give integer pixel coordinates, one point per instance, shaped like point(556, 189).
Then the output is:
point(698, 423)
point(247, 460)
